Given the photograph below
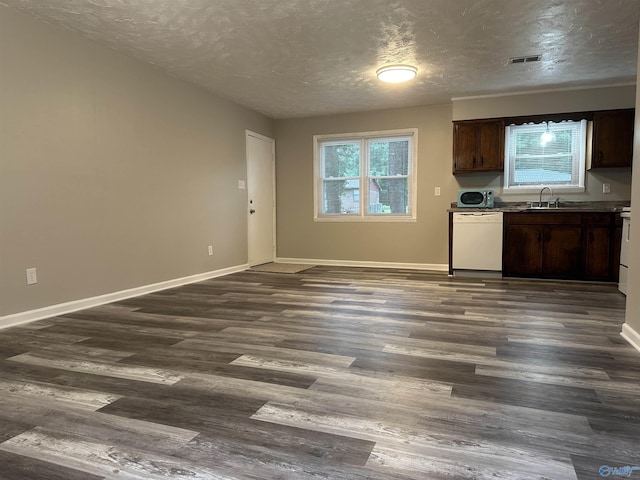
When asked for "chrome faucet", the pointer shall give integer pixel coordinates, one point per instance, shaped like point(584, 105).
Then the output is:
point(542, 191)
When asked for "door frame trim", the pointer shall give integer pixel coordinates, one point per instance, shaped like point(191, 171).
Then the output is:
point(250, 133)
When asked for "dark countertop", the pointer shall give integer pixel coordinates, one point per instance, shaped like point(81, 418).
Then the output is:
point(615, 206)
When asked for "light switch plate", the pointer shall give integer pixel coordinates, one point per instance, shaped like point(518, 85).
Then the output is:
point(32, 276)
point(436, 191)
point(242, 185)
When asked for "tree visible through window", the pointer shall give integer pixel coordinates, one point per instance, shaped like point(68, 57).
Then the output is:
point(340, 167)
point(389, 168)
point(369, 175)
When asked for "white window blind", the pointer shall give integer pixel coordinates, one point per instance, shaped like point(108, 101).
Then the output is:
point(549, 154)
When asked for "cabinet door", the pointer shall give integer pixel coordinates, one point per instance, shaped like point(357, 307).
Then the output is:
point(562, 251)
point(465, 146)
point(491, 145)
point(522, 252)
point(597, 261)
point(612, 138)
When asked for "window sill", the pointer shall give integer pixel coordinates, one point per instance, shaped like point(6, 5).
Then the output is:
point(536, 189)
point(367, 219)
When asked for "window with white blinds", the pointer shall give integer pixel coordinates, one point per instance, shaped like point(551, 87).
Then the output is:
point(545, 154)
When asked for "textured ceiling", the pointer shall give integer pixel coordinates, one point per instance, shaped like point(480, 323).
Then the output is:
point(295, 58)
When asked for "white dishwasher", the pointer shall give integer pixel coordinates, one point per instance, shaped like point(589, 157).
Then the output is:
point(477, 241)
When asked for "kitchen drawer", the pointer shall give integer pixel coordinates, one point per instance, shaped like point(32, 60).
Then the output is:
point(546, 218)
point(598, 218)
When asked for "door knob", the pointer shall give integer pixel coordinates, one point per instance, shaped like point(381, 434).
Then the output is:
point(252, 211)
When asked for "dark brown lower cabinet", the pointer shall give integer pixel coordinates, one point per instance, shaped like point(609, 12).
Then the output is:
point(562, 251)
point(602, 246)
point(578, 246)
point(597, 264)
point(522, 249)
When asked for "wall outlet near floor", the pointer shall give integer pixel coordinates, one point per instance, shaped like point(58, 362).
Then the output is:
point(606, 188)
point(210, 247)
point(32, 276)
point(436, 191)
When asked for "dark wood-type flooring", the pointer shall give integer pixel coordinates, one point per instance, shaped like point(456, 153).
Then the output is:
point(342, 373)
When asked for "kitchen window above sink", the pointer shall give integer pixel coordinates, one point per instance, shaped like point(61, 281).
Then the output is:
point(545, 153)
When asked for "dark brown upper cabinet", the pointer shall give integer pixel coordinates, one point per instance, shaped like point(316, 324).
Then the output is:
point(478, 146)
point(612, 138)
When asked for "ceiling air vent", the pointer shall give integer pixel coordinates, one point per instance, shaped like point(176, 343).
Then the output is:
point(527, 59)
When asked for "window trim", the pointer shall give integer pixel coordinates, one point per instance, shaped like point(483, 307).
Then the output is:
point(581, 167)
point(363, 216)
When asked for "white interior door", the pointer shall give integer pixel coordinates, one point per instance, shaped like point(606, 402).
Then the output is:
point(261, 198)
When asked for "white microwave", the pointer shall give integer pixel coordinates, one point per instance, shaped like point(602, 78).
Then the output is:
point(475, 198)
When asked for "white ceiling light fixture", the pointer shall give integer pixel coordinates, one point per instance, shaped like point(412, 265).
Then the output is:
point(396, 73)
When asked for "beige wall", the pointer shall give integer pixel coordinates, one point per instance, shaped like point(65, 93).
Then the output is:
point(633, 294)
point(424, 242)
point(562, 101)
point(619, 180)
point(112, 174)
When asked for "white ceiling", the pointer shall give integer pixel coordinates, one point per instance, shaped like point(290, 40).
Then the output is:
point(296, 58)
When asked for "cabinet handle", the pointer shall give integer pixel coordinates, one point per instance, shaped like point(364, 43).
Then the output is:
point(474, 161)
point(481, 161)
point(600, 156)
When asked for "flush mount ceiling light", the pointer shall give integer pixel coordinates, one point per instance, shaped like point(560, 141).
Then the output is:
point(396, 73)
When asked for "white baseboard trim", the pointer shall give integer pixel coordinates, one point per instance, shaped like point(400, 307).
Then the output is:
point(75, 305)
point(437, 267)
point(631, 336)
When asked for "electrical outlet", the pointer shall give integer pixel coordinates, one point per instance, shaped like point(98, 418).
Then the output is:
point(32, 276)
point(210, 250)
point(242, 185)
point(606, 188)
point(436, 191)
